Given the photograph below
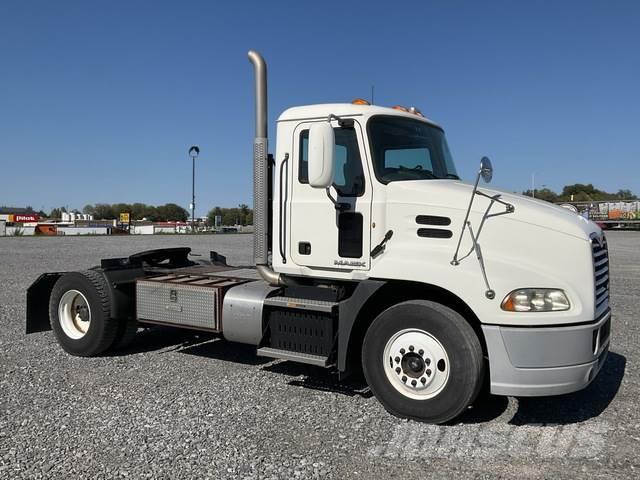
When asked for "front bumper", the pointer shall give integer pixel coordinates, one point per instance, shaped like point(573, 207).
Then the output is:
point(540, 361)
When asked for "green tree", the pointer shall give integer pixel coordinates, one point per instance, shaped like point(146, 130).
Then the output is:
point(89, 210)
point(104, 211)
point(172, 212)
point(211, 216)
point(543, 194)
point(626, 194)
point(589, 193)
point(244, 213)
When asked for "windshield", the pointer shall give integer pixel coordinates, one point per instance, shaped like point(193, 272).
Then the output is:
point(407, 149)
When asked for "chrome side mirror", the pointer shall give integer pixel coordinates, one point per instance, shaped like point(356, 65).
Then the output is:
point(486, 170)
point(322, 145)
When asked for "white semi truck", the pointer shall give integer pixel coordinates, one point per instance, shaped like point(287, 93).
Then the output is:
point(370, 253)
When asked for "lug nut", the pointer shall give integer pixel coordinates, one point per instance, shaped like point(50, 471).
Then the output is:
point(398, 370)
point(421, 352)
point(411, 348)
point(423, 380)
point(402, 350)
point(428, 361)
point(397, 359)
point(413, 383)
point(428, 372)
point(404, 378)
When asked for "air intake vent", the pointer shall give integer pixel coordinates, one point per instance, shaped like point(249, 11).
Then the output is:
point(601, 271)
point(434, 233)
point(432, 220)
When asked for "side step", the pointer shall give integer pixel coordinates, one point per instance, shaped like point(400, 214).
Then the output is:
point(301, 304)
point(317, 360)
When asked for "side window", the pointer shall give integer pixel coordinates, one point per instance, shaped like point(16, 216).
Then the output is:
point(303, 164)
point(349, 176)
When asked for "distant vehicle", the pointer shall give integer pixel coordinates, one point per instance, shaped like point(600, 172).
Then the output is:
point(609, 213)
point(368, 255)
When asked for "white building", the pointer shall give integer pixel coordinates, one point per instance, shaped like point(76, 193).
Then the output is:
point(73, 216)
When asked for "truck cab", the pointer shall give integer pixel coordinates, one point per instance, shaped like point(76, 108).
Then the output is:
point(371, 254)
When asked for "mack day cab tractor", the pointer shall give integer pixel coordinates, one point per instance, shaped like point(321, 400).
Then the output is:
point(368, 255)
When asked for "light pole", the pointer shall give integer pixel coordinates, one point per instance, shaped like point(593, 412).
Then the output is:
point(194, 151)
point(533, 185)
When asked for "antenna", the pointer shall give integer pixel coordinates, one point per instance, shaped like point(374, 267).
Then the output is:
point(373, 88)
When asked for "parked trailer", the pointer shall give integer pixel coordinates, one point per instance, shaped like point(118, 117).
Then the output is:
point(609, 214)
point(368, 255)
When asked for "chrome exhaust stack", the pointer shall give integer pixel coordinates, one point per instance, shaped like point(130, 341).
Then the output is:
point(261, 174)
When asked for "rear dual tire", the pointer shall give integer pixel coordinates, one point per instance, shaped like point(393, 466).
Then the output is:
point(80, 315)
point(423, 361)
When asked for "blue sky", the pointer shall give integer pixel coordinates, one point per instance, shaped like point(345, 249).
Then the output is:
point(99, 101)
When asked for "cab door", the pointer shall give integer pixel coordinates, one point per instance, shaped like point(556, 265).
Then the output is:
point(330, 227)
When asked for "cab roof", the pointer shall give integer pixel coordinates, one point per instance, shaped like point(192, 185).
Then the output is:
point(311, 112)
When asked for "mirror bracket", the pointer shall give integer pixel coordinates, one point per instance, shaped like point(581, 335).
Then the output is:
point(343, 122)
point(339, 206)
point(486, 173)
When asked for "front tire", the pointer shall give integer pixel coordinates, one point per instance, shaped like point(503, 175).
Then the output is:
point(79, 312)
point(423, 361)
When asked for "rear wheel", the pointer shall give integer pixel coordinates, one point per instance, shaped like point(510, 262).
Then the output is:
point(423, 361)
point(79, 312)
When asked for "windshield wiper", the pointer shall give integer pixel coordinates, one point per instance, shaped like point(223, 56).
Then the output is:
point(420, 170)
point(452, 175)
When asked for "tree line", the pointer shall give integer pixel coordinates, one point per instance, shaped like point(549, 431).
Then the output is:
point(579, 192)
point(240, 215)
point(169, 212)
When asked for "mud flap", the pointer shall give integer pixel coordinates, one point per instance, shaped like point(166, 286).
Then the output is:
point(38, 302)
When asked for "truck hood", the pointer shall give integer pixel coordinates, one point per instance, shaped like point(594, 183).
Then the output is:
point(455, 195)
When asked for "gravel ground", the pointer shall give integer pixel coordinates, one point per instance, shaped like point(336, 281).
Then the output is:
point(185, 405)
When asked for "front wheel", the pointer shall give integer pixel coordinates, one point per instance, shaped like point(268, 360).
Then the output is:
point(423, 361)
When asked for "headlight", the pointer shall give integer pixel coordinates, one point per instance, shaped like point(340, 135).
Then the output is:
point(536, 300)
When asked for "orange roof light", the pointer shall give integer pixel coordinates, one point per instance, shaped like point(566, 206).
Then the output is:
point(413, 110)
point(360, 101)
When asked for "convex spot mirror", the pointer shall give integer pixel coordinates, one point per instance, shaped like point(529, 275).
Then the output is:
point(322, 144)
point(486, 169)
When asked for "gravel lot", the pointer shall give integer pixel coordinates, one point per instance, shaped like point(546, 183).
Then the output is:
point(185, 405)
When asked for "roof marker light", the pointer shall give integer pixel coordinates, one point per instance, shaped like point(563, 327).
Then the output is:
point(401, 108)
point(360, 101)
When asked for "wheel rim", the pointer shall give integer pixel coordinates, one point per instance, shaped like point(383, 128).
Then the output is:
point(416, 364)
point(74, 314)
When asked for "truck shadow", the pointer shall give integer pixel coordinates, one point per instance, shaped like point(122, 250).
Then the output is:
point(321, 379)
point(151, 339)
point(168, 339)
point(575, 407)
point(560, 410)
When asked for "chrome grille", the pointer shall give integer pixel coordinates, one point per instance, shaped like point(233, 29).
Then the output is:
point(601, 270)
